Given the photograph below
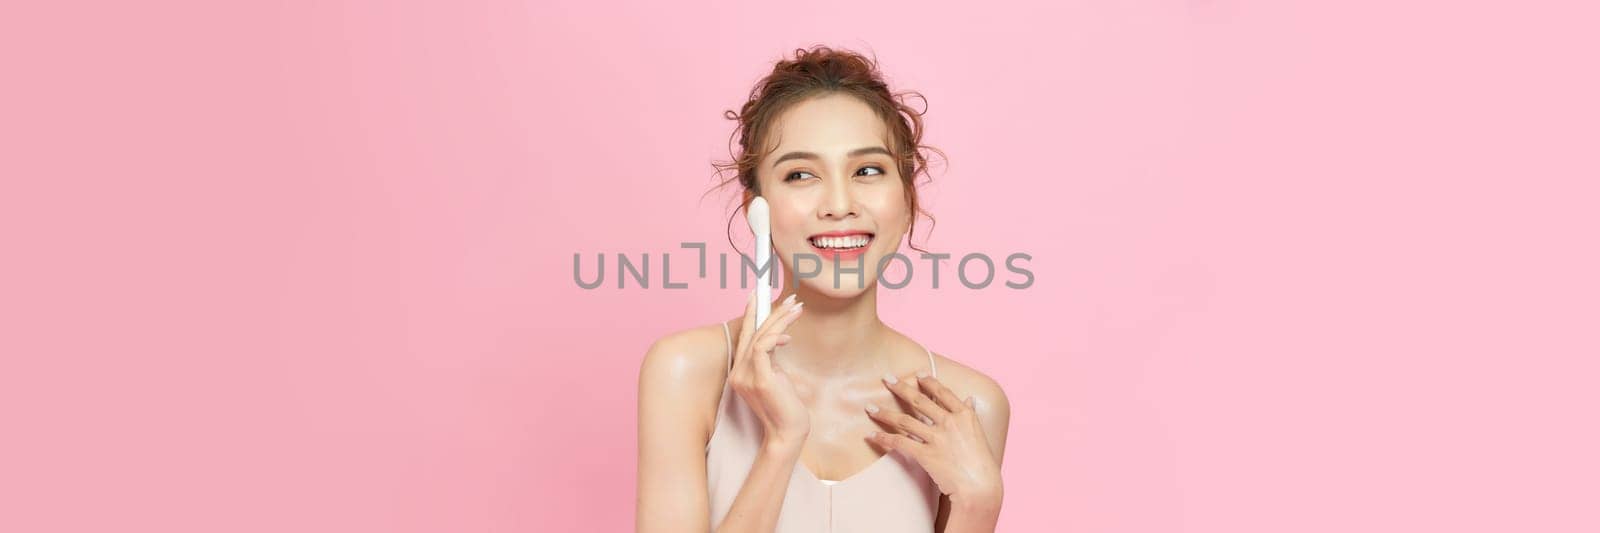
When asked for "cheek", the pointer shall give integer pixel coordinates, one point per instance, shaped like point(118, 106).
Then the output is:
point(788, 219)
point(890, 208)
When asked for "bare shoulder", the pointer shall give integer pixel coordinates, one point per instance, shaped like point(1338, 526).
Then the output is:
point(681, 374)
point(968, 381)
point(694, 353)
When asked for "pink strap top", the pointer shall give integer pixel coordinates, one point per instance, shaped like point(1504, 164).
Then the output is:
point(892, 495)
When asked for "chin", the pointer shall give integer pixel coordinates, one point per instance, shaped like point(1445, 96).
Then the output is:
point(823, 284)
point(850, 285)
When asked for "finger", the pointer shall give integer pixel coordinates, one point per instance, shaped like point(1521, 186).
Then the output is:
point(761, 350)
point(747, 331)
point(904, 422)
point(786, 313)
point(768, 338)
point(896, 442)
point(907, 390)
point(779, 313)
point(945, 397)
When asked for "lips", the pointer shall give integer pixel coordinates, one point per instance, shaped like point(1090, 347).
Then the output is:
point(841, 245)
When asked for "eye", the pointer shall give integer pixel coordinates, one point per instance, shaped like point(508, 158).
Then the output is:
point(877, 171)
point(792, 175)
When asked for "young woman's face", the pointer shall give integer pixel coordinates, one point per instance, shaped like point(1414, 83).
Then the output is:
point(838, 205)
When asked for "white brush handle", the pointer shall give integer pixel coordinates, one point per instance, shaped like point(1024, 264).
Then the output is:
point(764, 280)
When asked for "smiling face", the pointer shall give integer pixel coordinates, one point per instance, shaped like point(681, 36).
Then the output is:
point(835, 192)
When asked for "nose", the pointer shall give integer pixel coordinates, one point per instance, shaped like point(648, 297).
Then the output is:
point(837, 201)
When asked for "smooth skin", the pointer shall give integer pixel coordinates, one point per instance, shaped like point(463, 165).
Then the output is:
point(837, 361)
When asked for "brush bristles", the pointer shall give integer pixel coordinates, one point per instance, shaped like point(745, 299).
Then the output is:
point(760, 219)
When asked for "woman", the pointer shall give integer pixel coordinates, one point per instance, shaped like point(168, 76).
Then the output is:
point(790, 427)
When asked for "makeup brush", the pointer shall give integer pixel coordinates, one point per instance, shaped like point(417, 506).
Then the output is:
point(761, 225)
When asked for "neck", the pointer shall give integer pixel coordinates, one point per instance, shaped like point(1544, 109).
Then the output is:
point(836, 337)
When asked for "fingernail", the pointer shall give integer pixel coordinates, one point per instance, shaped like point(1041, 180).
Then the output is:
point(872, 408)
point(789, 300)
point(797, 307)
point(872, 434)
point(922, 374)
point(890, 379)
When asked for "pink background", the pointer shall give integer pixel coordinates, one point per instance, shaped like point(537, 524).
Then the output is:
point(307, 266)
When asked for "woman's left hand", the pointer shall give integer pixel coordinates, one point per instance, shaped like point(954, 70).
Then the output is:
point(953, 449)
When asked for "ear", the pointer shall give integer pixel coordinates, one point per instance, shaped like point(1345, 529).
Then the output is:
point(754, 190)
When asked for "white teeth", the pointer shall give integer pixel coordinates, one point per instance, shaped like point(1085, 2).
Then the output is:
point(852, 241)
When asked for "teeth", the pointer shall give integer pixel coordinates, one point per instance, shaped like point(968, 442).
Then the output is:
point(853, 241)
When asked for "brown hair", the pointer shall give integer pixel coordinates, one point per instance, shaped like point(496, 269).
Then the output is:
point(816, 72)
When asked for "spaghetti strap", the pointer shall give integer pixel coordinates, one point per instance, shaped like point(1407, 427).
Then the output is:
point(931, 366)
point(728, 337)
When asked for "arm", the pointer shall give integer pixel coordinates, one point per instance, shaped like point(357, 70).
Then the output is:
point(756, 507)
point(675, 388)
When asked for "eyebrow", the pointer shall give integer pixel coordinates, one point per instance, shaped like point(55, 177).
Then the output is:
point(853, 153)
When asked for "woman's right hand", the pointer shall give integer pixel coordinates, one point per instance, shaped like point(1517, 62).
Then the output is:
point(758, 380)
